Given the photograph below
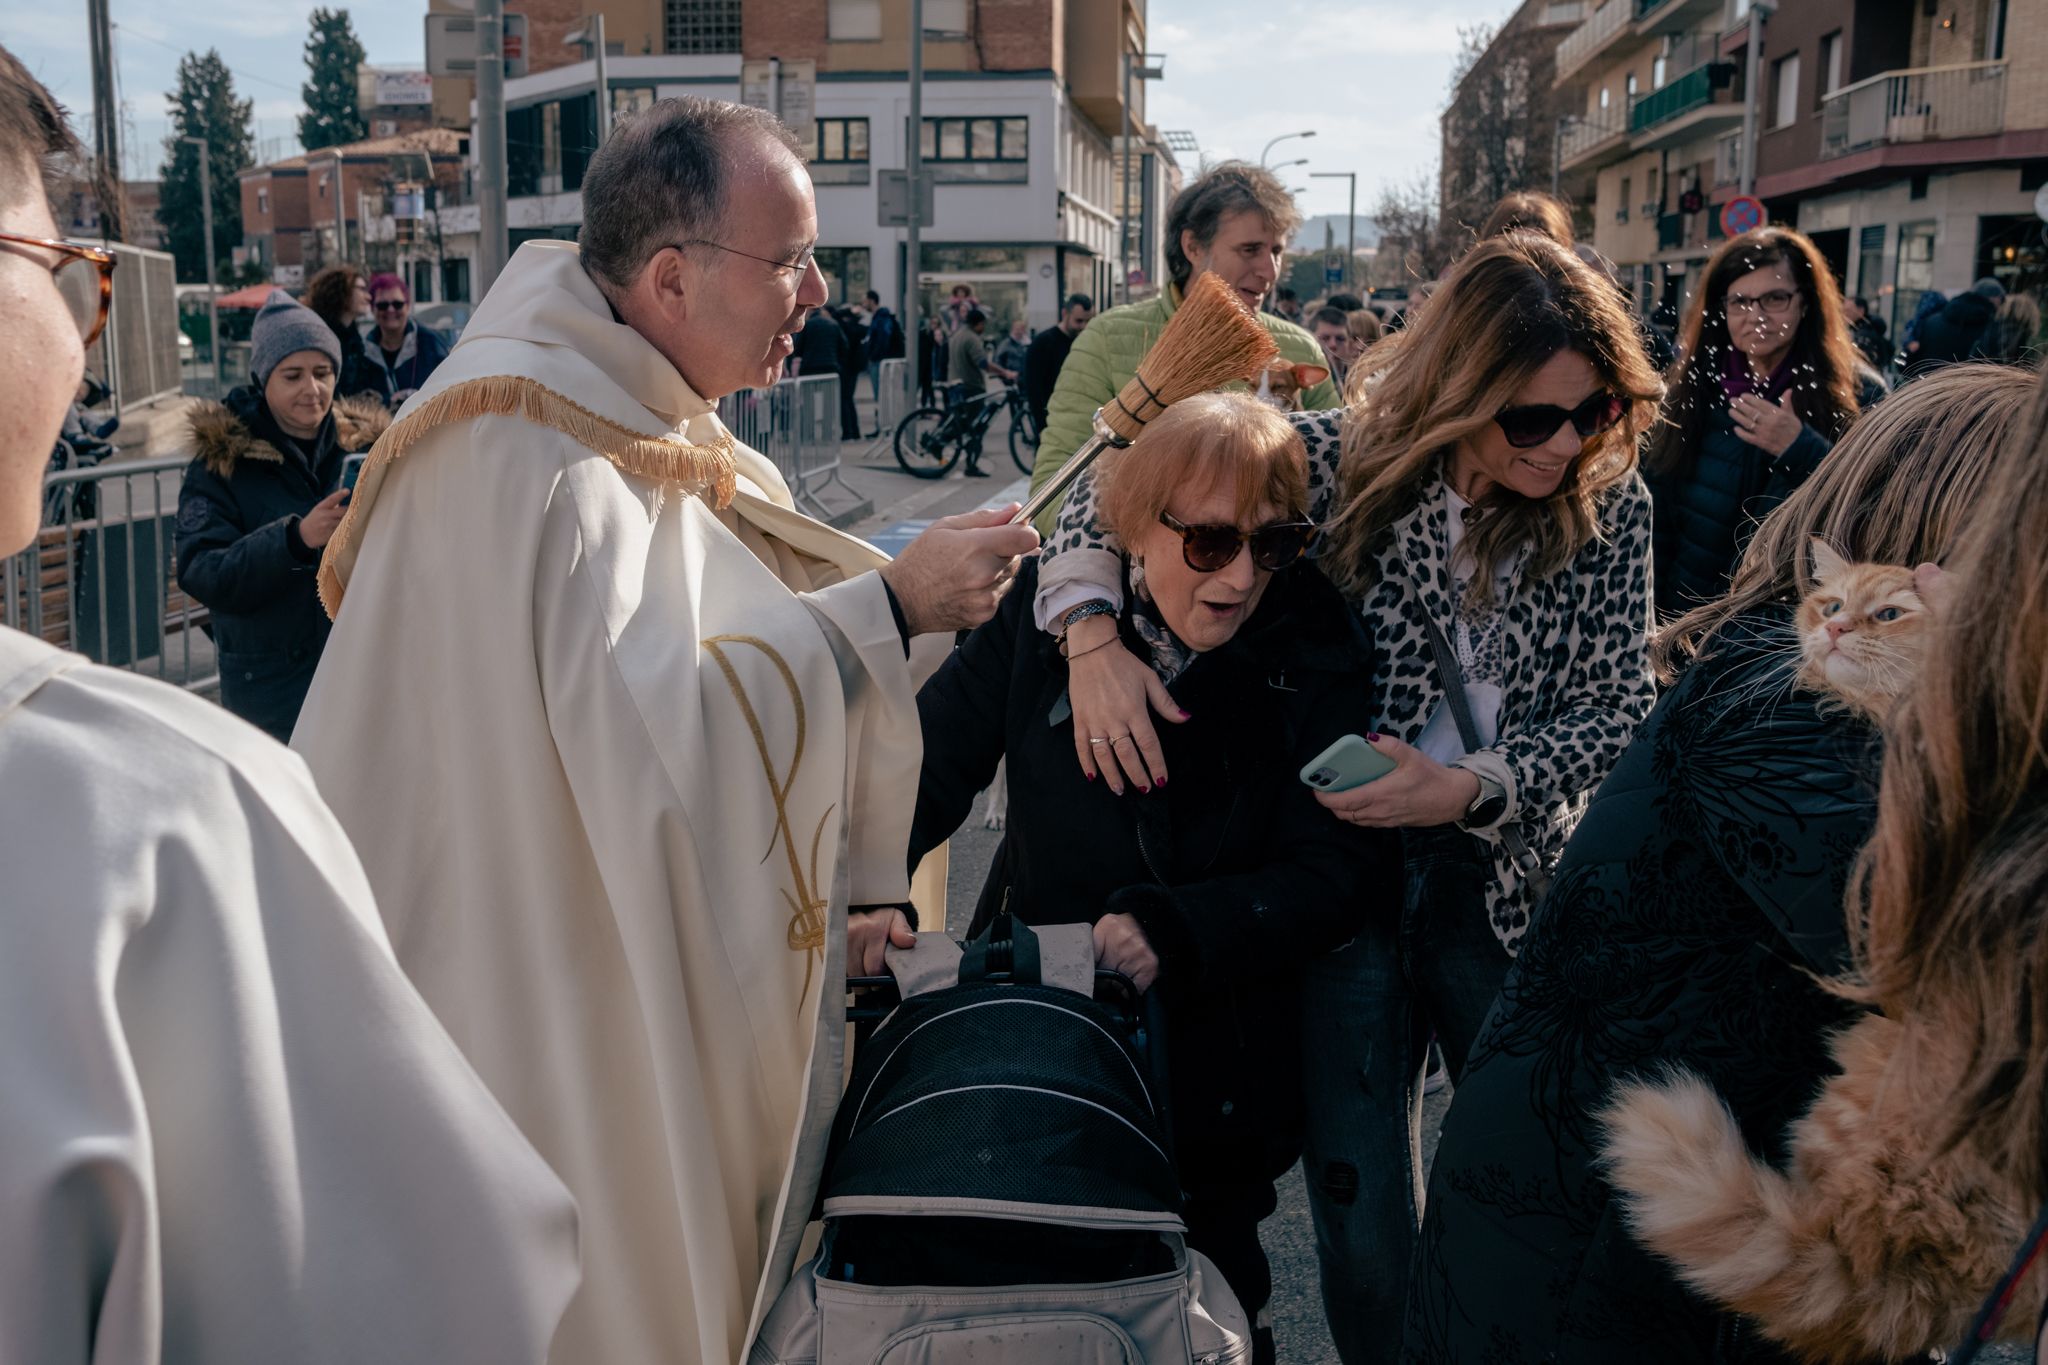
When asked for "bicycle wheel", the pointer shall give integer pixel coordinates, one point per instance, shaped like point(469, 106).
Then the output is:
point(1023, 440)
point(925, 444)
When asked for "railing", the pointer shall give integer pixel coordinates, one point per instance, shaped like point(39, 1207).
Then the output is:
point(1728, 159)
point(101, 576)
point(1923, 105)
point(795, 423)
point(1582, 42)
point(1688, 92)
point(138, 352)
point(896, 398)
point(1582, 135)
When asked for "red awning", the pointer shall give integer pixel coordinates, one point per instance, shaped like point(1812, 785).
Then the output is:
point(252, 297)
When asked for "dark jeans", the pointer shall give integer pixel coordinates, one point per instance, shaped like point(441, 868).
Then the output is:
point(1368, 1011)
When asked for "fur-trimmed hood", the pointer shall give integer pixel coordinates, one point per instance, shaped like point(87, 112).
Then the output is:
point(221, 432)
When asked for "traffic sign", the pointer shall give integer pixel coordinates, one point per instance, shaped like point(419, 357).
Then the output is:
point(892, 199)
point(452, 44)
point(1743, 213)
point(1333, 267)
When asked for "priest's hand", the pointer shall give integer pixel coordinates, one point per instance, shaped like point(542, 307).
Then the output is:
point(868, 936)
point(953, 576)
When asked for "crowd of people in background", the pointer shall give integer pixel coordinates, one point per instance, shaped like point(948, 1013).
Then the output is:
point(1697, 650)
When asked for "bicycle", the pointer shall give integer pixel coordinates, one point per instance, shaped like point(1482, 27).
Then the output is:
point(1024, 431)
point(931, 440)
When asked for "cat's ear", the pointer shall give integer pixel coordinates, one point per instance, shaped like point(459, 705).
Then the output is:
point(1827, 561)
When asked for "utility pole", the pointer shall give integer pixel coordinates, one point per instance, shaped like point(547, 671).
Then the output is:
point(913, 161)
point(1351, 221)
point(1557, 154)
point(340, 213)
point(1751, 65)
point(106, 122)
point(205, 151)
point(490, 143)
point(604, 87)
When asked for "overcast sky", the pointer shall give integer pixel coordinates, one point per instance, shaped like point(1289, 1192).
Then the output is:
point(1367, 75)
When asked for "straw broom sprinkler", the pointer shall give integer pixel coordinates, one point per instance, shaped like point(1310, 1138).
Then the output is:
point(1210, 340)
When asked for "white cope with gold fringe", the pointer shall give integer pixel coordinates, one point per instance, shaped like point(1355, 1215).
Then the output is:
point(619, 735)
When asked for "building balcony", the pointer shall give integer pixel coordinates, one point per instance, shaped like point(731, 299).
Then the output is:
point(1588, 144)
point(1929, 104)
point(1694, 104)
point(1591, 38)
point(1657, 17)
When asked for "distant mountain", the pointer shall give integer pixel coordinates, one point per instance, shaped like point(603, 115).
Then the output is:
point(1311, 235)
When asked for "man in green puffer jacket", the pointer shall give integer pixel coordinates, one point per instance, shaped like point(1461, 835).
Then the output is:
point(1234, 221)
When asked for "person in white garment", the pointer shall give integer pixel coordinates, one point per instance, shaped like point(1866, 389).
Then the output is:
point(623, 738)
point(230, 1130)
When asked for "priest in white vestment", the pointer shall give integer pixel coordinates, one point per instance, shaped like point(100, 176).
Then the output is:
point(230, 1130)
point(621, 736)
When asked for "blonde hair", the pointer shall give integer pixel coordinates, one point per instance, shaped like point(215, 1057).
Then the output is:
point(1506, 308)
point(1897, 490)
point(1529, 211)
point(1364, 325)
point(1946, 912)
point(1212, 440)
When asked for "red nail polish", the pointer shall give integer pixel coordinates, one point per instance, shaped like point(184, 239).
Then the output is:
point(1160, 783)
point(1187, 715)
point(1372, 737)
point(1089, 776)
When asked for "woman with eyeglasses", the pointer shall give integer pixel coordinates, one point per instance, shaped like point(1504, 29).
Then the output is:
point(405, 351)
point(1767, 379)
point(1481, 509)
point(1217, 889)
point(340, 295)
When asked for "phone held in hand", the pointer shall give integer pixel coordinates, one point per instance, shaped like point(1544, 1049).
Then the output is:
point(352, 469)
point(1350, 762)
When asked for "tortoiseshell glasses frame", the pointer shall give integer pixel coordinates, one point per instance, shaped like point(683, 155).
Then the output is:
point(90, 316)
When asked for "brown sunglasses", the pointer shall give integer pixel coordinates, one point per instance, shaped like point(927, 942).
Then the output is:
point(87, 301)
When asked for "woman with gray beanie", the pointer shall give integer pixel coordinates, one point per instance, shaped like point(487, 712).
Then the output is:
point(261, 496)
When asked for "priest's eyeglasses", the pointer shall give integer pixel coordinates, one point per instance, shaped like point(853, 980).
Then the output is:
point(87, 297)
point(801, 264)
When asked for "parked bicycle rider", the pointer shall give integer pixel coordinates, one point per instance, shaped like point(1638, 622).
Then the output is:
point(969, 364)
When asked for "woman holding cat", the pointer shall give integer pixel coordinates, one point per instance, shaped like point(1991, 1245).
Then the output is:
point(1919, 1168)
point(1697, 901)
point(1482, 492)
point(1767, 379)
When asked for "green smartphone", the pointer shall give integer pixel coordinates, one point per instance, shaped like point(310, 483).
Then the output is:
point(1350, 762)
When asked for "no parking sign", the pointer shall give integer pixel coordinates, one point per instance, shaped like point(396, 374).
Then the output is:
point(1743, 213)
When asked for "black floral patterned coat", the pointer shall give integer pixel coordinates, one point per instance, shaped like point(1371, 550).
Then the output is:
point(1692, 908)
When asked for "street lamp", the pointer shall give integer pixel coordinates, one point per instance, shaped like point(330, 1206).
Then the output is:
point(206, 226)
point(1298, 161)
point(592, 36)
point(1350, 222)
point(1308, 132)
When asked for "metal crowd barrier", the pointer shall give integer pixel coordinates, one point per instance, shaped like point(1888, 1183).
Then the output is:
point(101, 577)
point(795, 423)
point(898, 397)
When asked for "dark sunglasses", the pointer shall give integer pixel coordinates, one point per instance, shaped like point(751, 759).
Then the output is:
point(1527, 428)
point(391, 306)
point(1207, 549)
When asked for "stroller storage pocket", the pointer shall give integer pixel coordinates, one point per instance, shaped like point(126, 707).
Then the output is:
point(1013, 1339)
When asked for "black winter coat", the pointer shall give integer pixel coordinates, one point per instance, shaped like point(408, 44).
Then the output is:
point(1235, 872)
point(1692, 910)
point(411, 371)
point(820, 346)
point(1702, 517)
point(360, 376)
point(1952, 335)
point(239, 552)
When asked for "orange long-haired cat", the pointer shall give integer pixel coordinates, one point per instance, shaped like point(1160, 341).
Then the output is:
point(1873, 1244)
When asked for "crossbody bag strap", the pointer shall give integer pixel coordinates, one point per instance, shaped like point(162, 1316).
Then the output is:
point(1985, 1327)
point(1453, 680)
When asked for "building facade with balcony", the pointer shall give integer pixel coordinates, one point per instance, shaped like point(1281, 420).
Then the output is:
point(1660, 95)
point(1909, 142)
point(309, 211)
point(1022, 113)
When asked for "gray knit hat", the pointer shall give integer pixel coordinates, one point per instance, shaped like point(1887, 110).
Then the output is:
point(282, 327)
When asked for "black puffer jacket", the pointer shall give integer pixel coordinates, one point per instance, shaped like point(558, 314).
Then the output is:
point(1952, 335)
point(239, 552)
point(1702, 517)
point(1236, 873)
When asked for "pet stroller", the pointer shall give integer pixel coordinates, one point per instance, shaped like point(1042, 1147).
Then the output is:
point(999, 1186)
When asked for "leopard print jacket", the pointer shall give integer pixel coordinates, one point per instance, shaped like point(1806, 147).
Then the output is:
point(1577, 680)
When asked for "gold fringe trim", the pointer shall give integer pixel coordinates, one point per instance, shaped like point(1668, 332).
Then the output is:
point(709, 471)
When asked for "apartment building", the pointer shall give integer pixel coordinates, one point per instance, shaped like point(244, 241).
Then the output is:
point(1908, 138)
point(311, 210)
point(1499, 127)
point(1023, 113)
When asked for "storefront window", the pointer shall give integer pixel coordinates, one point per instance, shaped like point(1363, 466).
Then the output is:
point(847, 272)
point(1914, 273)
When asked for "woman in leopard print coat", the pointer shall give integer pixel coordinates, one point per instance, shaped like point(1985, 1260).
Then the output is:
point(1481, 485)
